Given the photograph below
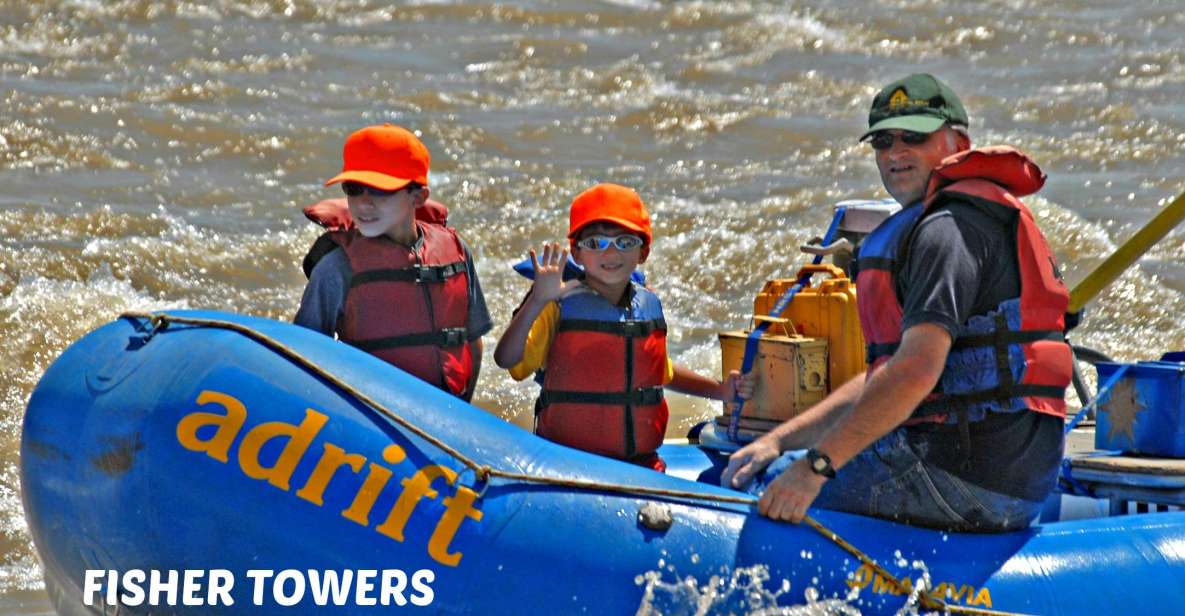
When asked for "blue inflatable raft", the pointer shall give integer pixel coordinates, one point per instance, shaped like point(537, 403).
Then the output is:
point(271, 458)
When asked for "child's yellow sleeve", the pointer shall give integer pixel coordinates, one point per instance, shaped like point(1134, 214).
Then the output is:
point(538, 342)
point(669, 374)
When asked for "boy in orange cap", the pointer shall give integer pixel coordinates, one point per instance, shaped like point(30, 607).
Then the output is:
point(402, 289)
point(598, 344)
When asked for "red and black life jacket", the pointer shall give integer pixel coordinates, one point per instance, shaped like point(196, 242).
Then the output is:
point(602, 388)
point(1014, 357)
point(406, 305)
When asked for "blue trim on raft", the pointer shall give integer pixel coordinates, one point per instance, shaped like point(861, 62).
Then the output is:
point(108, 484)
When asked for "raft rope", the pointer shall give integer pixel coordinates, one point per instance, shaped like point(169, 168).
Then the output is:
point(483, 472)
point(754, 338)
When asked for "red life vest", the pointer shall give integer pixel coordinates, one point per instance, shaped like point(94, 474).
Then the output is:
point(409, 306)
point(602, 388)
point(1011, 359)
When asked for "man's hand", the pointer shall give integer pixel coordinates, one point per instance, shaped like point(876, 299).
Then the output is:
point(887, 399)
point(747, 461)
point(788, 496)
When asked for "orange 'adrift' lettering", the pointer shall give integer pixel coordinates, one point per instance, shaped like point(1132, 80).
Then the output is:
point(218, 434)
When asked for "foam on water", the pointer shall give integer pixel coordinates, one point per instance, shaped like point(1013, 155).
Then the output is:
point(38, 319)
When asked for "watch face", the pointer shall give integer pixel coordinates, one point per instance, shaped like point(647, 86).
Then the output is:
point(820, 464)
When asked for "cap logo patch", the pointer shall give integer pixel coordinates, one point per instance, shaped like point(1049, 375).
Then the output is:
point(900, 100)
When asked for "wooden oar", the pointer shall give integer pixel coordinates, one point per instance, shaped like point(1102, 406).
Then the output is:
point(1128, 253)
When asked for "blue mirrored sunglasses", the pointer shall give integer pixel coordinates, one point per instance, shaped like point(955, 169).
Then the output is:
point(603, 242)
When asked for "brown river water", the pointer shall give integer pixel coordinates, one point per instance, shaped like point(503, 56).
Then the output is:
point(156, 154)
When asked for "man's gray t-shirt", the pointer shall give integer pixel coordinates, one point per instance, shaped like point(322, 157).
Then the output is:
point(325, 296)
point(961, 261)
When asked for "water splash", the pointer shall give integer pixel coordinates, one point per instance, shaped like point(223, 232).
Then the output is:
point(750, 591)
point(746, 591)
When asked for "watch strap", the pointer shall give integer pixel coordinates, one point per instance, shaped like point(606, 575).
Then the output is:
point(820, 463)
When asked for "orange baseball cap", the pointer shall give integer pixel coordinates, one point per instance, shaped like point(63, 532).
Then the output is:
point(609, 203)
point(386, 157)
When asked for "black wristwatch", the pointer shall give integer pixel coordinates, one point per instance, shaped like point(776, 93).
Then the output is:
point(820, 463)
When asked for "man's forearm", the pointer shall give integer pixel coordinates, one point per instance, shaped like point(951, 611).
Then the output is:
point(891, 395)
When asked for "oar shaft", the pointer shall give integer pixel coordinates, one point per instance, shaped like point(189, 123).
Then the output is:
point(1128, 253)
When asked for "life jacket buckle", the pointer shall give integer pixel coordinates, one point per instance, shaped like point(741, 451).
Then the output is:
point(428, 273)
point(646, 396)
point(453, 336)
point(633, 329)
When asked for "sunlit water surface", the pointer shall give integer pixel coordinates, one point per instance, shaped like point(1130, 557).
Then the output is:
point(156, 154)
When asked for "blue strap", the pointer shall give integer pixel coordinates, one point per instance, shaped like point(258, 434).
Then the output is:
point(734, 421)
point(1071, 485)
point(1103, 390)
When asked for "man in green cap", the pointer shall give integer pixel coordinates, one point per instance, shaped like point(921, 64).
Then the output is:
point(958, 421)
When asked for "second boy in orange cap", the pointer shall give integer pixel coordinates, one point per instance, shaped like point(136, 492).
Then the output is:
point(598, 345)
point(404, 290)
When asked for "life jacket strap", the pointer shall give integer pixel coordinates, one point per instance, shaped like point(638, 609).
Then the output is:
point(449, 337)
point(644, 396)
point(874, 263)
point(415, 273)
point(875, 351)
point(946, 402)
point(323, 245)
point(1006, 387)
point(1007, 337)
point(625, 329)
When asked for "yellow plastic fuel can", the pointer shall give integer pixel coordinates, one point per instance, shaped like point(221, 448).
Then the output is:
point(825, 309)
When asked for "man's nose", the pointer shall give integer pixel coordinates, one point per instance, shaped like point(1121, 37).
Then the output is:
point(898, 148)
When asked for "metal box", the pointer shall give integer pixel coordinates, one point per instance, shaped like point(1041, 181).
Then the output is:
point(1143, 411)
point(791, 374)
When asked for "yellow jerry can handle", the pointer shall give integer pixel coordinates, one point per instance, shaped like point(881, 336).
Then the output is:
point(786, 324)
point(822, 268)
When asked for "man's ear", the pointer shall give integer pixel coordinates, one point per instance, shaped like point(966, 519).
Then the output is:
point(962, 140)
point(645, 253)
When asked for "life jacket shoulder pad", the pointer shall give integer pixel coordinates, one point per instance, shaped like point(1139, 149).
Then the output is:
point(1003, 165)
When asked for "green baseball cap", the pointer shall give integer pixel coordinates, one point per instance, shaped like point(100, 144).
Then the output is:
point(919, 103)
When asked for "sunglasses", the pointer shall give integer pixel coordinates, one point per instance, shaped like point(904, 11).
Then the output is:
point(354, 189)
point(603, 242)
point(883, 140)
